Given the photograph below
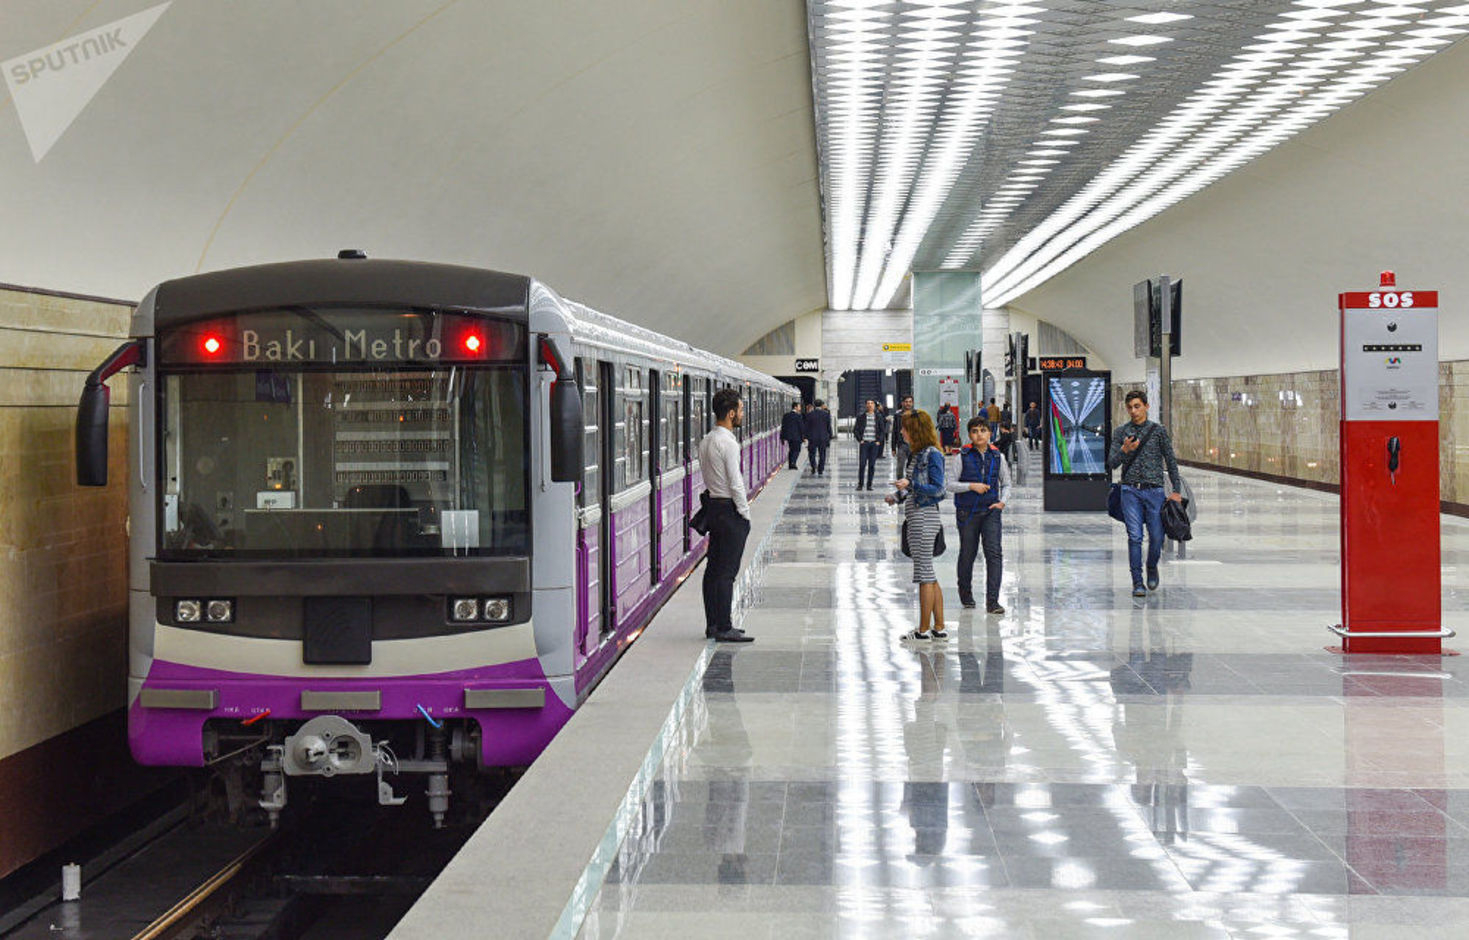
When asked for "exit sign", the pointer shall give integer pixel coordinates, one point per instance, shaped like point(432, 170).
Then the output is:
point(1061, 363)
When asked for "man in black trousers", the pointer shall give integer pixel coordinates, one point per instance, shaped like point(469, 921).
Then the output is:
point(818, 436)
point(871, 431)
point(793, 431)
point(728, 514)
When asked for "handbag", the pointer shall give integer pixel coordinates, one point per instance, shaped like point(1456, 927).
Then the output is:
point(939, 545)
point(699, 521)
point(1114, 492)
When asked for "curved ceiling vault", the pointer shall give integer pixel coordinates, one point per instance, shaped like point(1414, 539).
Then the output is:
point(654, 160)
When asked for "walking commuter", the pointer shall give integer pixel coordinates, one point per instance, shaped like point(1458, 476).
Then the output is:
point(980, 492)
point(901, 452)
point(1006, 415)
point(1005, 441)
point(818, 437)
point(871, 431)
point(948, 428)
point(728, 515)
point(993, 415)
point(921, 489)
point(793, 432)
point(1033, 425)
point(1144, 451)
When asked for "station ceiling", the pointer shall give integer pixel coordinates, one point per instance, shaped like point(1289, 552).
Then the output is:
point(654, 159)
point(708, 168)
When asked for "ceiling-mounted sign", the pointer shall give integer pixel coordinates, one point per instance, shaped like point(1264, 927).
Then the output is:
point(897, 355)
point(808, 365)
point(1061, 363)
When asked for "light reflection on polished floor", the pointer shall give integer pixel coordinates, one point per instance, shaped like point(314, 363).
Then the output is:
point(1195, 764)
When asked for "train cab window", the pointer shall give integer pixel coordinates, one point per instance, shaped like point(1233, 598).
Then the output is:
point(632, 457)
point(413, 457)
point(586, 380)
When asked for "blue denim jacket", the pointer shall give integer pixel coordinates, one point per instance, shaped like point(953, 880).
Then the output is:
point(927, 487)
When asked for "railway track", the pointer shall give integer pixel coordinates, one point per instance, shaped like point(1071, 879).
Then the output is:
point(334, 869)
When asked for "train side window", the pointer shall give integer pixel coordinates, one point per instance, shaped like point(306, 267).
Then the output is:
point(670, 437)
point(586, 380)
point(635, 429)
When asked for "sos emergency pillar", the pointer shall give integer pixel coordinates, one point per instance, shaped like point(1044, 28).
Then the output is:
point(1389, 471)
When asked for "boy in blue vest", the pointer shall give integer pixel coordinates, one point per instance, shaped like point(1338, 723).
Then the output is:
point(981, 487)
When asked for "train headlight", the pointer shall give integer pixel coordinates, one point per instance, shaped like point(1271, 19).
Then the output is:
point(219, 611)
point(497, 608)
point(465, 608)
point(188, 611)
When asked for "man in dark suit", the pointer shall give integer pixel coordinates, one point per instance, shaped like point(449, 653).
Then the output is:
point(818, 437)
point(871, 432)
point(793, 431)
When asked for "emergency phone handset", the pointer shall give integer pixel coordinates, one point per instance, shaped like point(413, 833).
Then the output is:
point(1394, 448)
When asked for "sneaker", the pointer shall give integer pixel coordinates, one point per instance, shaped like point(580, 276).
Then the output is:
point(967, 602)
point(733, 635)
point(1152, 579)
point(914, 634)
point(938, 633)
point(1139, 591)
point(994, 609)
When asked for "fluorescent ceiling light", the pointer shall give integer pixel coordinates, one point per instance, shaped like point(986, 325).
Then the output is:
point(1160, 17)
point(1074, 120)
point(1140, 40)
point(1111, 77)
point(1085, 107)
point(1099, 93)
point(1127, 59)
point(1065, 131)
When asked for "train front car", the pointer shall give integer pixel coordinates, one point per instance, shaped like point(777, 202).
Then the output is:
point(338, 470)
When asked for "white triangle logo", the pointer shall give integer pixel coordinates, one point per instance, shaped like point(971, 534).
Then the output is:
point(52, 85)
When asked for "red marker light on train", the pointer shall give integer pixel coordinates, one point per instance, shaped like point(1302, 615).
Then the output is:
point(472, 342)
point(212, 344)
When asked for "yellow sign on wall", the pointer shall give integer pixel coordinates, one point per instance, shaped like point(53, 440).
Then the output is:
point(897, 347)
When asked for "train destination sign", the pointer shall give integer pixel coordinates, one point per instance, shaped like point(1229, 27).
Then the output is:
point(344, 337)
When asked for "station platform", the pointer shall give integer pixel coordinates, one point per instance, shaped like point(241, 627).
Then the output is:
point(1197, 763)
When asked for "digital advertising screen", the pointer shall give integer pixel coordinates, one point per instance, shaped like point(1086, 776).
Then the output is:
point(1076, 437)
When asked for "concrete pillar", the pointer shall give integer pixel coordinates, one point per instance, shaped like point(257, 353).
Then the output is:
point(996, 326)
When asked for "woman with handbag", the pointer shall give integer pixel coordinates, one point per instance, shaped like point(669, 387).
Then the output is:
point(921, 490)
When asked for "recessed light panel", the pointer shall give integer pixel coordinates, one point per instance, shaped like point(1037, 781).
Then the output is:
point(931, 117)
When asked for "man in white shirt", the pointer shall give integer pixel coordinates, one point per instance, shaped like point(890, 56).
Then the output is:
point(728, 515)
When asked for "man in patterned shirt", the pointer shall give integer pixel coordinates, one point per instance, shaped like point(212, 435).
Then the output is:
point(1144, 450)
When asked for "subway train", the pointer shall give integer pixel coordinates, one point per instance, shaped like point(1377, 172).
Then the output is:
point(393, 518)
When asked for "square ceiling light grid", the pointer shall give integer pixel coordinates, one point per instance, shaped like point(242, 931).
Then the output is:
point(932, 117)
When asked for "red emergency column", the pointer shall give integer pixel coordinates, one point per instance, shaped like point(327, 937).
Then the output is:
point(1389, 471)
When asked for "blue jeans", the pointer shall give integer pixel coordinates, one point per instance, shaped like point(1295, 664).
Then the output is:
point(1142, 508)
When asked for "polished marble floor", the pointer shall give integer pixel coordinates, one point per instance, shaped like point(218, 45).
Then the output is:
point(1193, 764)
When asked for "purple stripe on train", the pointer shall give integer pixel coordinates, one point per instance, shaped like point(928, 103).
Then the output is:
point(510, 737)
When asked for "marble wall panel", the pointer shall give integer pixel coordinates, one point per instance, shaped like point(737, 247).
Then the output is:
point(63, 549)
point(1287, 424)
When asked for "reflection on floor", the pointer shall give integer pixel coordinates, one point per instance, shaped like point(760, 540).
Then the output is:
point(1192, 764)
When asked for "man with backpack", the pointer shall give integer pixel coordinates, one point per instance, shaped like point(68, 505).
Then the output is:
point(1144, 451)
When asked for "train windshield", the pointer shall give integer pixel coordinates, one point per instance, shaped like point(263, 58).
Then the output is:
point(335, 455)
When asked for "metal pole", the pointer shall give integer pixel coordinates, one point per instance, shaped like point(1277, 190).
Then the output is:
point(1165, 354)
point(1165, 371)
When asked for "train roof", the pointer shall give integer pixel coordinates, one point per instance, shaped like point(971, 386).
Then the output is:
point(340, 281)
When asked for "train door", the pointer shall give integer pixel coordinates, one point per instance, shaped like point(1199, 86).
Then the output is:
point(606, 418)
point(656, 437)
